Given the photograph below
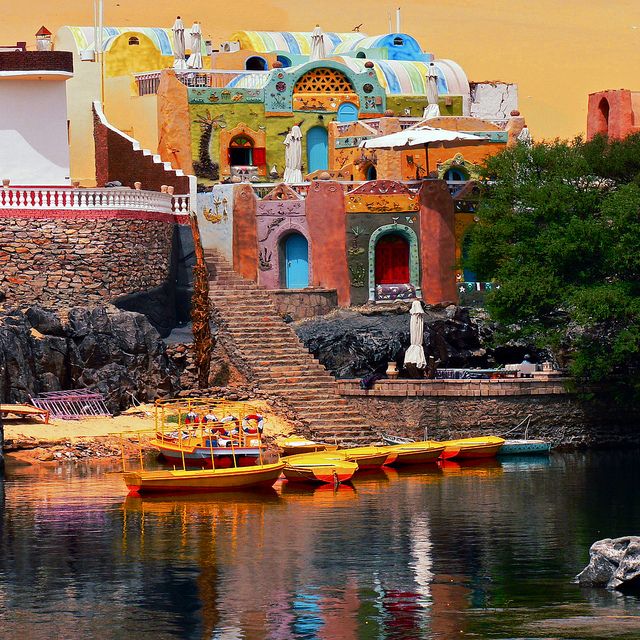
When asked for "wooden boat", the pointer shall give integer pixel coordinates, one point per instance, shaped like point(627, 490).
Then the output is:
point(206, 453)
point(524, 447)
point(365, 457)
point(203, 480)
point(295, 445)
point(413, 453)
point(467, 448)
point(318, 467)
point(25, 411)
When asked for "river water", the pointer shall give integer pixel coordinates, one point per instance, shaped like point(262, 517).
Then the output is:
point(479, 551)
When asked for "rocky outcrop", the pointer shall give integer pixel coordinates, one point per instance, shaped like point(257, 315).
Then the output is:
point(117, 353)
point(614, 564)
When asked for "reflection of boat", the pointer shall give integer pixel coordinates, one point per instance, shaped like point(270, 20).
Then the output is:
point(480, 467)
point(294, 445)
point(319, 491)
point(318, 467)
point(202, 480)
point(365, 457)
point(524, 447)
point(413, 453)
point(465, 448)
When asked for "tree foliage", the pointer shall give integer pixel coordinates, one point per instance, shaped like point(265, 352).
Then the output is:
point(559, 232)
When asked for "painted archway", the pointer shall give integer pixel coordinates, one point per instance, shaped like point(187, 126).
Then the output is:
point(414, 260)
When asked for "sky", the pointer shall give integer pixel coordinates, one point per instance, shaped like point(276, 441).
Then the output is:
point(556, 51)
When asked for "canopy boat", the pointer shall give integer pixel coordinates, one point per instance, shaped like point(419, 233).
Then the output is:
point(203, 480)
point(295, 445)
point(365, 457)
point(467, 448)
point(318, 468)
point(413, 453)
point(524, 447)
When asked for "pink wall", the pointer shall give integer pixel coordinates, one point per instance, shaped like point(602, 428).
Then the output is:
point(613, 113)
point(245, 242)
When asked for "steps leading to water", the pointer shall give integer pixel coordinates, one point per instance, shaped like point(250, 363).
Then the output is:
point(280, 364)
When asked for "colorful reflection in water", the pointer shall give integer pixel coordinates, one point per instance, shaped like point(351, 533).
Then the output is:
point(454, 551)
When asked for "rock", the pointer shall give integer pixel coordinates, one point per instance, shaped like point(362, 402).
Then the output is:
point(614, 564)
point(46, 322)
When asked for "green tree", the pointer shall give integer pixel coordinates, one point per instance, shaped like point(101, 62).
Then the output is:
point(559, 232)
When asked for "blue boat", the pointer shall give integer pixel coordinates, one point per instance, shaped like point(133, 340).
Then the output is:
point(524, 447)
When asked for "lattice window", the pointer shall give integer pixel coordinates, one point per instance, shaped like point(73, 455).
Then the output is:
point(323, 81)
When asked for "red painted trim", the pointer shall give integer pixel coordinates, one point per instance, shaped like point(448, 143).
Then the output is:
point(93, 214)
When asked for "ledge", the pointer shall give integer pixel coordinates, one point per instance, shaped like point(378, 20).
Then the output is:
point(36, 61)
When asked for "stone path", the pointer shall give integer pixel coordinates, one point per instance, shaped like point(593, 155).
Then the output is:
point(253, 332)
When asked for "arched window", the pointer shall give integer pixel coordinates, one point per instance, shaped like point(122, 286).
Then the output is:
point(255, 63)
point(134, 41)
point(241, 152)
point(286, 62)
point(455, 174)
point(371, 172)
point(361, 54)
point(323, 81)
point(603, 117)
point(398, 41)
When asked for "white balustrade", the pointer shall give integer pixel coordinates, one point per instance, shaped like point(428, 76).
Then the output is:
point(149, 82)
point(123, 199)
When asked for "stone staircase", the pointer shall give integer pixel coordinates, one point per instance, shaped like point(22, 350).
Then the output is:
point(252, 330)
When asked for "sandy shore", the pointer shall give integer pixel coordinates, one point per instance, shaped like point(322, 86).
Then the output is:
point(31, 441)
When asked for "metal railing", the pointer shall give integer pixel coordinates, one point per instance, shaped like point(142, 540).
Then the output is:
point(261, 189)
point(117, 198)
point(149, 82)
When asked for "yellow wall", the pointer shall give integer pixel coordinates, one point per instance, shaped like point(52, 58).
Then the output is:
point(557, 52)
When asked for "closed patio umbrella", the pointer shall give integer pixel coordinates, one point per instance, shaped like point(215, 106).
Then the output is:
point(293, 155)
point(178, 44)
point(415, 353)
point(318, 44)
point(433, 109)
point(195, 59)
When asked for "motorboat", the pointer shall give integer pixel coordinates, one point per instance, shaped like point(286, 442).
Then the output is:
point(203, 480)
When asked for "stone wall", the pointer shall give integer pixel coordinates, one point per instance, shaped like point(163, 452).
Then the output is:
point(563, 418)
point(70, 261)
point(304, 304)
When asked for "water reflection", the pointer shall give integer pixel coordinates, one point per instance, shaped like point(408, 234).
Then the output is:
point(434, 552)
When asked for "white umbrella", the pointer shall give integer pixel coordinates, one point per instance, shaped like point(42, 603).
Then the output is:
point(415, 353)
point(318, 44)
point(420, 136)
point(195, 59)
point(178, 44)
point(293, 155)
point(525, 137)
point(433, 109)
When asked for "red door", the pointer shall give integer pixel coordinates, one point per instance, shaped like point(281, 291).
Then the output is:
point(392, 260)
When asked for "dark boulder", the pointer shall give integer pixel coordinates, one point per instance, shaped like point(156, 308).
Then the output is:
point(613, 563)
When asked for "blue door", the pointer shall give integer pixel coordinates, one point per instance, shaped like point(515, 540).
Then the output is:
point(296, 255)
point(317, 149)
point(347, 112)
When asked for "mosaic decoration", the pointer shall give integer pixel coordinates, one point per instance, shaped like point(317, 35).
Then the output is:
point(414, 259)
point(382, 187)
point(224, 95)
point(354, 141)
point(282, 192)
point(355, 249)
point(264, 259)
point(322, 102)
point(274, 224)
point(395, 292)
point(381, 204)
point(323, 80)
point(358, 275)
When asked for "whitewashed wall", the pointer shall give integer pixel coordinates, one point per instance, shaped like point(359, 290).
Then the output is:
point(34, 148)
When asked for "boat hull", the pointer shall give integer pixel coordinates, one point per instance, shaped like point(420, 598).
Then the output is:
point(319, 468)
point(203, 481)
point(524, 447)
point(472, 448)
point(410, 454)
point(296, 450)
point(365, 457)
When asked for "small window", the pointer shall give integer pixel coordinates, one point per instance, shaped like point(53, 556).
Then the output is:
point(255, 63)
point(134, 41)
point(398, 42)
point(455, 174)
point(361, 54)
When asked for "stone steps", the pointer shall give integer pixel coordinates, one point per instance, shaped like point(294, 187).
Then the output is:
point(281, 364)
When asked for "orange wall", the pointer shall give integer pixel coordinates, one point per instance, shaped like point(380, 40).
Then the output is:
point(558, 52)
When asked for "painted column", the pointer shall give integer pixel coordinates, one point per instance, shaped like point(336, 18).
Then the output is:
point(245, 239)
point(326, 219)
point(437, 242)
point(389, 166)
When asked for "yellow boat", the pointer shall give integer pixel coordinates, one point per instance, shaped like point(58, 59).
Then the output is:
point(468, 448)
point(203, 480)
point(318, 467)
point(413, 453)
point(295, 445)
point(365, 457)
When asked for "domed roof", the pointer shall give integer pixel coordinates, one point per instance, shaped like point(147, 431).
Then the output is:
point(400, 46)
point(295, 42)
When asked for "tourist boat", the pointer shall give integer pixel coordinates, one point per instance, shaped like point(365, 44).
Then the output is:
point(365, 457)
point(320, 467)
point(467, 448)
point(295, 445)
point(413, 453)
point(524, 447)
point(203, 480)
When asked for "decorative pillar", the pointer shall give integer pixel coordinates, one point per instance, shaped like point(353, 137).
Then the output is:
point(245, 235)
point(326, 219)
point(437, 242)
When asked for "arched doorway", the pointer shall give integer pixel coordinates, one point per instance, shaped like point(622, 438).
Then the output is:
point(347, 112)
point(371, 172)
point(392, 260)
point(295, 261)
point(317, 149)
point(241, 152)
point(255, 63)
point(455, 174)
point(603, 117)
